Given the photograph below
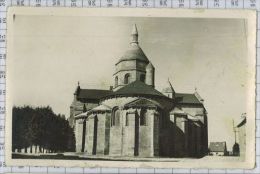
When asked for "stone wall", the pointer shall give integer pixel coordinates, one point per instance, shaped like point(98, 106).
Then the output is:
point(128, 138)
point(163, 134)
point(77, 108)
point(107, 133)
point(156, 133)
point(196, 133)
point(101, 126)
point(199, 140)
point(90, 135)
point(115, 141)
point(95, 141)
point(180, 132)
point(129, 135)
point(146, 136)
point(78, 134)
point(195, 140)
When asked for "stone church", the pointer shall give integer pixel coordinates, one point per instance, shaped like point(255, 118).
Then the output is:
point(132, 118)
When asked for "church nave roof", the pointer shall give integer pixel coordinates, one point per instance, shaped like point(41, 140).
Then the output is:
point(187, 98)
point(94, 94)
point(137, 88)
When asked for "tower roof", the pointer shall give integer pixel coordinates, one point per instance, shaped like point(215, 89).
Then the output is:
point(134, 51)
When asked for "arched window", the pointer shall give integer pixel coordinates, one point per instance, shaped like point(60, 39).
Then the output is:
point(127, 78)
point(143, 115)
point(116, 81)
point(115, 119)
point(142, 77)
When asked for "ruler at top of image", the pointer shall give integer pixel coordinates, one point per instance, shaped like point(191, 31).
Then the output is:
point(206, 4)
point(242, 4)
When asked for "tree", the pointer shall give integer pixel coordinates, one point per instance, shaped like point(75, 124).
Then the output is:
point(42, 128)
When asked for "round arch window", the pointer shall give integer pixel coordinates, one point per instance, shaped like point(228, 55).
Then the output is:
point(127, 78)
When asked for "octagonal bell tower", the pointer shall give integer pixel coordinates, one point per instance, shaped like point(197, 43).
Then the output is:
point(132, 66)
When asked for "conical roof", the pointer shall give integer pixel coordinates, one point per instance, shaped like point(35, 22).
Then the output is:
point(134, 52)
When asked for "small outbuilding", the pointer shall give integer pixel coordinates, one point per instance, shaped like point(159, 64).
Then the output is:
point(218, 148)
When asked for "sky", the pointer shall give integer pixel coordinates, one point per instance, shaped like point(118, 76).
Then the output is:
point(207, 54)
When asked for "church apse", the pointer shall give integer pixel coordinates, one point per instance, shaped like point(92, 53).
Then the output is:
point(134, 119)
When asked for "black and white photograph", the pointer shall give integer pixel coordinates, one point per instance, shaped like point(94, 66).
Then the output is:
point(131, 88)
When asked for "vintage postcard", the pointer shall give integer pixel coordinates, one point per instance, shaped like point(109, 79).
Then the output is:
point(161, 88)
